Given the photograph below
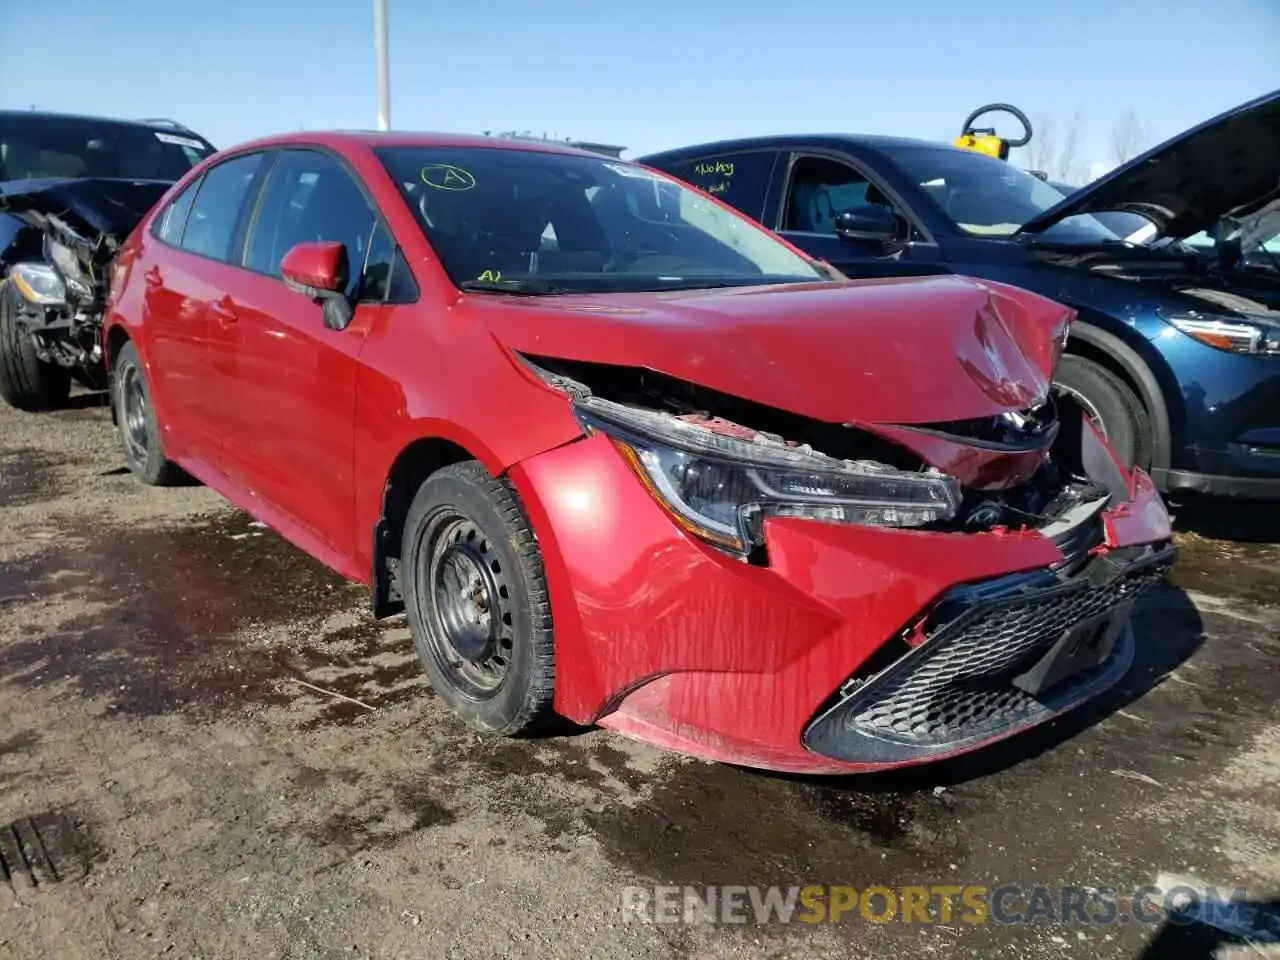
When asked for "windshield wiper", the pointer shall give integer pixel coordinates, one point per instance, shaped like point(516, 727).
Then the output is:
point(519, 288)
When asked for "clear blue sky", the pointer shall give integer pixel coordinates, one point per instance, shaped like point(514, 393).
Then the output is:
point(648, 75)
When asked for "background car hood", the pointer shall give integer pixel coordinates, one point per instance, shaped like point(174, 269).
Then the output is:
point(1225, 165)
point(100, 205)
point(894, 351)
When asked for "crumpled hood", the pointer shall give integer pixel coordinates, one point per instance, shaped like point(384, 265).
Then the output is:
point(894, 351)
point(1224, 167)
point(90, 206)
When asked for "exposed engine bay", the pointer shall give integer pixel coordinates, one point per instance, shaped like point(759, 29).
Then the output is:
point(1026, 470)
point(58, 263)
point(1235, 288)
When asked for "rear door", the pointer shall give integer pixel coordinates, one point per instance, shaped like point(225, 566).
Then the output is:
point(816, 186)
point(291, 407)
point(192, 240)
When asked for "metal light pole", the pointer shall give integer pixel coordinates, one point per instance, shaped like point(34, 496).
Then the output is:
point(380, 51)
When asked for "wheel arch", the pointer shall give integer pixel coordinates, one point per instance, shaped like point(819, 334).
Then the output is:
point(117, 337)
point(1091, 342)
point(434, 448)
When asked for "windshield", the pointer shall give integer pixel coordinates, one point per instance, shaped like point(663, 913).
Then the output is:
point(551, 223)
point(42, 147)
point(986, 197)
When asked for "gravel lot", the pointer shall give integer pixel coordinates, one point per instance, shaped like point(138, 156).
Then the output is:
point(156, 649)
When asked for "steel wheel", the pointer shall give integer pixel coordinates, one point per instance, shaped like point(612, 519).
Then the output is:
point(133, 413)
point(135, 418)
point(468, 595)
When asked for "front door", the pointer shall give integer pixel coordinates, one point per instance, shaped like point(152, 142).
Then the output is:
point(291, 415)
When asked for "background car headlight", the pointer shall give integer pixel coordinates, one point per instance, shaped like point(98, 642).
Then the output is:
point(39, 283)
point(722, 488)
point(1256, 335)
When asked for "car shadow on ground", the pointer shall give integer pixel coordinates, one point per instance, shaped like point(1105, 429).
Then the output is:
point(1168, 630)
point(1209, 930)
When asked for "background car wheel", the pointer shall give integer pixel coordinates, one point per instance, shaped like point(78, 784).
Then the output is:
point(476, 598)
point(1112, 406)
point(136, 424)
point(26, 381)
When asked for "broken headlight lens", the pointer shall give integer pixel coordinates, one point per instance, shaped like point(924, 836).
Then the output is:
point(722, 488)
point(39, 283)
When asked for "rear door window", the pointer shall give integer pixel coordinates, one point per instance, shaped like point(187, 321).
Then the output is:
point(738, 179)
point(211, 225)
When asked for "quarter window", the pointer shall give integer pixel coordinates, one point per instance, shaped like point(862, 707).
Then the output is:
point(211, 226)
point(310, 197)
point(386, 274)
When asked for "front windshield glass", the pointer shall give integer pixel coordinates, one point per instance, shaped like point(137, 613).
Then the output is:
point(549, 223)
point(986, 197)
point(41, 147)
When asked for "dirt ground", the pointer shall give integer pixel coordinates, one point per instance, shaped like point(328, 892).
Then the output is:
point(194, 797)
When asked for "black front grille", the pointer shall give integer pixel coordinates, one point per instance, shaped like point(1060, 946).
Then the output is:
point(958, 688)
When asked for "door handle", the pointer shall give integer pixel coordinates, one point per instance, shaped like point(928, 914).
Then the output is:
point(153, 278)
point(224, 310)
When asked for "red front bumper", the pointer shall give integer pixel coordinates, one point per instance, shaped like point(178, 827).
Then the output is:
point(663, 638)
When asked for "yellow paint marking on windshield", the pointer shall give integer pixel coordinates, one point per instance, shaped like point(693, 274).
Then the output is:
point(490, 276)
point(447, 176)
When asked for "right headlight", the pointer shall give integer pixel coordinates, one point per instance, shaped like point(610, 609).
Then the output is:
point(1255, 335)
point(722, 487)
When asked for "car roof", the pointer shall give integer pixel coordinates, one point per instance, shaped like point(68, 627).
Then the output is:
point(831, 140)
point(20, 115)
point(337, 139)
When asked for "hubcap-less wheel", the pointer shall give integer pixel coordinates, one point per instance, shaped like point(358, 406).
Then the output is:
point(469, 622)
point(133, 413)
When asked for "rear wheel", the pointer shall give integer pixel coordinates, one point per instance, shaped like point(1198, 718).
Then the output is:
point(1110, 404)
point(136, 424)
point(26, 382)
point(476, 598)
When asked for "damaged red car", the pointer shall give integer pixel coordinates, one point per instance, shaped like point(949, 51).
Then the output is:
point(622, 455)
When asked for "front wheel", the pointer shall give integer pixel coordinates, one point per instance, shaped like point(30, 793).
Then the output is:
point(26, 382)
point(1110, 405)
point(476, 597)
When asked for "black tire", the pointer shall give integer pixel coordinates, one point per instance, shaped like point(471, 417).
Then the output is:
point(26, 382)
point(136, 423)
point(476, 598)
point(1111, 404)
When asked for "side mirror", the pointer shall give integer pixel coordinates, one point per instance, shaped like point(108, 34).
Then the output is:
point(868, 222)
point(320, 272)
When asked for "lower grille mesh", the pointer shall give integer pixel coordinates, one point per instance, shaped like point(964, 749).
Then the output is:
point(957, 686)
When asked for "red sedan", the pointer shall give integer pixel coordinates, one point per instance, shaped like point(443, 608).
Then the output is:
point(622, 455)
